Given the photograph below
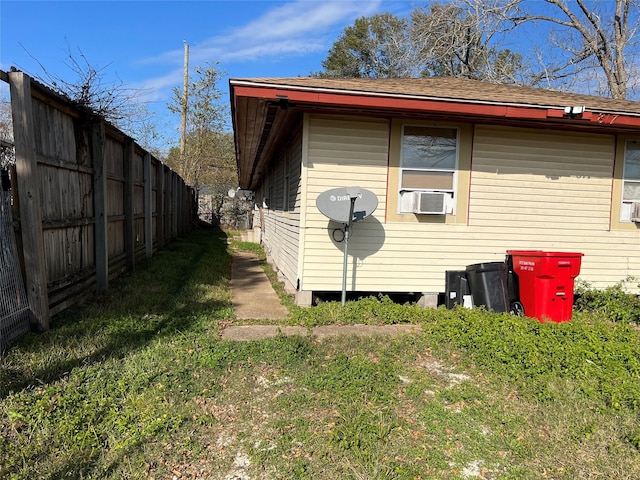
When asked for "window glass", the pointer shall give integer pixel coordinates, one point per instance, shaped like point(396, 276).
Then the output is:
point(428, 163)
point(433, 148)
point(632, 161)
point(631, 192)
point(631, 180)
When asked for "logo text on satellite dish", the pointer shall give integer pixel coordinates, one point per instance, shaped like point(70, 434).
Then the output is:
point(343, 198)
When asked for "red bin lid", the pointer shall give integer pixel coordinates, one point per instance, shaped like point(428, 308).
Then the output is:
point(542, 253)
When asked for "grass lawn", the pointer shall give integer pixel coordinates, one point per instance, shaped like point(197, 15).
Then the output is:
point(138, 384)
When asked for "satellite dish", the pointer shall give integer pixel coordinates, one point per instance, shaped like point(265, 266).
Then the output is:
point(346, 205)
point(336, 203)
point(238, 192)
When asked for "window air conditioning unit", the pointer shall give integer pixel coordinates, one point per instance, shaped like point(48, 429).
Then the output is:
point(432, 203)
point(635, 212)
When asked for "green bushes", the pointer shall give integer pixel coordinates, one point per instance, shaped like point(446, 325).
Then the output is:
point(613, 302)
point(598, 352)
point(370, 310)
point(602, 358)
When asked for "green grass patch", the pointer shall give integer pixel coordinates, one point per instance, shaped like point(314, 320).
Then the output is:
point(601, 356)
point(138, 384)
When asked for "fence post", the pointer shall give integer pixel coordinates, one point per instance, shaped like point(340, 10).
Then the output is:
point(183, 203)
point(129, 230)
point(30, 206)
point(98, 151)
point(148, 206)
point(174, 199)
point(160, 205)
point(180, 209)
point(195, 207)
point(167, 204)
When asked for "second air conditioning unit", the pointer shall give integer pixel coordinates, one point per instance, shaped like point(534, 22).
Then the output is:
point(432, 203)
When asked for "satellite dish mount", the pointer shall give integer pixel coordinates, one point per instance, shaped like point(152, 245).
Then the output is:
point(333, 204)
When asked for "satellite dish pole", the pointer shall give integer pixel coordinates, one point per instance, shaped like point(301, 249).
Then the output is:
point(353, 195)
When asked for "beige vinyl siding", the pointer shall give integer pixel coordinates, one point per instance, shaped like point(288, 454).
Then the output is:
point(551, 190)
point(529, 189)
point(341, 152)
point(345, 152)
point(541, 179)
point(281, 229)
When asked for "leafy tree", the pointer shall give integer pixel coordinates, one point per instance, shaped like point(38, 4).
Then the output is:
point(206, 115)
point(446, 39)
point(374, 47)
point(208, 161)
point(592, 45)
point(143, 125)
point(215, 169)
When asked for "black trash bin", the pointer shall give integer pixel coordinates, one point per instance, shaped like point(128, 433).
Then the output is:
point(489, 286)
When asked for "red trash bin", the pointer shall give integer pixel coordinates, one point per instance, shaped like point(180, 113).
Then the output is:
point(546, 281)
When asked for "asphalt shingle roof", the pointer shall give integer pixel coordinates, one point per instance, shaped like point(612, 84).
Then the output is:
point(456, 89)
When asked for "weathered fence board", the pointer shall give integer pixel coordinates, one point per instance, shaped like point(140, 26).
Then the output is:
point(98, 150)
point(92, 201)
point(25, 134)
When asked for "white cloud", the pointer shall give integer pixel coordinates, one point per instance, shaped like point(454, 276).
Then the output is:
point(301, 19)
point(157, 88)
point(296, 28)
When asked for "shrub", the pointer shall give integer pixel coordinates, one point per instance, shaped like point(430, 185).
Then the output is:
point(601, 357)
point(369, 310)
point(613, 302)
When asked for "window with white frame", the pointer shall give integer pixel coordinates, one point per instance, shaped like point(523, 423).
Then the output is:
point(631, 182)
point(428, 167)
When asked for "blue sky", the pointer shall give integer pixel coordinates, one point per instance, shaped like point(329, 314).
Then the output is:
point(141, 42)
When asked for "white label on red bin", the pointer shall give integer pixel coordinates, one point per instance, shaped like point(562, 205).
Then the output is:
point(526, 265)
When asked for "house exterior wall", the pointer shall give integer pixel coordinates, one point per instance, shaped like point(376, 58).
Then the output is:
point(523, 188)
point(342, 151)
point(552, 191)
point(280, 219)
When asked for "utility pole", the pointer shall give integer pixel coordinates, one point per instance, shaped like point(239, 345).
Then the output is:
point(185, 97)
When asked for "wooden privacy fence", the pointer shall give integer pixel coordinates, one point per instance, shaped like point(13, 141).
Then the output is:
point(91, 201)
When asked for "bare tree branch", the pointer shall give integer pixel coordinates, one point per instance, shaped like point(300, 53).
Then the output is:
point(90, 90)
point(605, 38)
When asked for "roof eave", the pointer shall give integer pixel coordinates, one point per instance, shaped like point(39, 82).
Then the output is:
point(427, 104)
point(518, 113)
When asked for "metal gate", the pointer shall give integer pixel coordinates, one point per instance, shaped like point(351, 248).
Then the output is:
point(14, 305)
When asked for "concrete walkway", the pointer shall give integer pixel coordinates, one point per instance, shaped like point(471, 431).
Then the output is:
point(254, 298)
point(256, 332)
point(252, 295)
